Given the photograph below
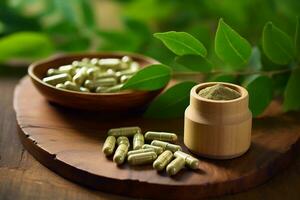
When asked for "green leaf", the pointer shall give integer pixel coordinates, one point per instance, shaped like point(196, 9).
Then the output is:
point(255, 59)
point(231, 47)
point(25, 45)
point(277, 45)
point(172, 103)
point(292, 92)
point(152, 77)
point(260, 93)
point(195, 63)
point(297, 38)
point(182, 43)
point(87, 13)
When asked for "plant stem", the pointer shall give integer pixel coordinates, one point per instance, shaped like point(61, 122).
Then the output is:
point(267, 73)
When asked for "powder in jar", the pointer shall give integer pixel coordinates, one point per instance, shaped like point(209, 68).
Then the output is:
point(219, 92)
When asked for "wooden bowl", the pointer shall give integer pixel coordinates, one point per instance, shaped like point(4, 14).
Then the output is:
point(120, 101)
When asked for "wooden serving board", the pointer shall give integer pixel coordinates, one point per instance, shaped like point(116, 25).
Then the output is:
point(69, 142)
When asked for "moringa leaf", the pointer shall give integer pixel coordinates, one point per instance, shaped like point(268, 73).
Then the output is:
point(195, 63)
point(152, 77)
point(182, 43)
point(231, 47)
point(277, 45)
point(172, 103)
point(292, 92)
point(25, 45)
point(255, 59)
point(260, 93)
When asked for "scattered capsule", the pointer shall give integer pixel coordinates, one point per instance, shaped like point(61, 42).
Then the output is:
point(164, 136)
point(60, 86)
point(123, 140)
point(124, 131)
point(158, 150)
point(163, 160)
point(109, 145)
point(140, 151)
point(80, 76)
point(138, 141)
point(175, 166)
point(56, 79)
point(166, 145)
point(121, 152)
point(190, 161)
point(71, 86)
point(115, 88)
point(141, 158)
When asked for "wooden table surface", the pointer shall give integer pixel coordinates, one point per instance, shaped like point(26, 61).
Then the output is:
point(22, 177)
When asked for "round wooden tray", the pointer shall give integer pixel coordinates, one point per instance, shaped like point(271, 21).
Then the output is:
point(69, 142)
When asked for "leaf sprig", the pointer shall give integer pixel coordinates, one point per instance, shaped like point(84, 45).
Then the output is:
point(260, 71)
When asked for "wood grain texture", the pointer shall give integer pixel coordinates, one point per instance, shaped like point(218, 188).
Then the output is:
point(70, 144)
point(122, 101)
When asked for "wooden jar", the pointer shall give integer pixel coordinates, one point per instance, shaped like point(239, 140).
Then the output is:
point(219, 129)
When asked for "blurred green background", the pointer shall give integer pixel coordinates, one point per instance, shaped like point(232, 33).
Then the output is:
point(34, 29)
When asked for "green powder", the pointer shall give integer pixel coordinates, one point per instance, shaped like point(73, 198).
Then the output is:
point(219, 92)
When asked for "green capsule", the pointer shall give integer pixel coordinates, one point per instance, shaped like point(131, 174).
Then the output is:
point(164, 136)
point(83, 89)
point(113, 63)
point(175, 166)
point(105, 82)
point(129, 72)
point(138, 141)
point(85, 60)
point(107, 74)
point(124, 78)
point(100, 89)
point(60, 86)
point(94, 61)
point(80, 76)
point(140, 151)
point(70, 69)
point(166, 145)
point(109, 145)
point(56, 79)
point(126, 59)
point(52, 72)
point(121, 152)
point(124, 131)
point(92, 72)
point(163, 159)
point(123, 140)
point(135, 66)
point(190, 161)
point(115, 88)
point(141, 158)
point(158, 150)
point(71, 86)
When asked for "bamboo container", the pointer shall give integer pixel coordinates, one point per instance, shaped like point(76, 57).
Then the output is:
point(219, 129)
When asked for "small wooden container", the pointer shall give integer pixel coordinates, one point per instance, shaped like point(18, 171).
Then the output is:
point(219, 129)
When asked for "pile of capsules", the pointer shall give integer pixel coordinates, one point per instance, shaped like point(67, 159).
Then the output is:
point(93, 75)
point(162, 153)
